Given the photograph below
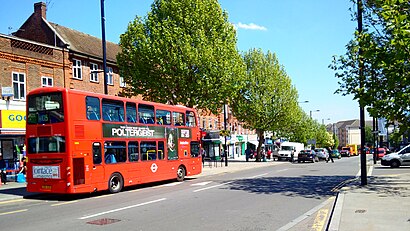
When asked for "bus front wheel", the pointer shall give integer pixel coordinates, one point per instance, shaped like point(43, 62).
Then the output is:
point(181, 174)
point(115, 183)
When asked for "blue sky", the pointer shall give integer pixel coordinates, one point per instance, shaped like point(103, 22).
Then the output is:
point(304, 34)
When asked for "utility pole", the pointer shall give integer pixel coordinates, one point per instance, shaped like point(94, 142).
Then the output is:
point(104, 47)
point(363, 166)
point(226, 148)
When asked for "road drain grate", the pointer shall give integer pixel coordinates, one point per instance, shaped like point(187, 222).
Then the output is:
point(360, 211)
point(103, 221)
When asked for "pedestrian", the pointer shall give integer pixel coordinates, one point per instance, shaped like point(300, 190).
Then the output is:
point(329, 149)
point(3, 169)
point(203, 154)
point(248, 152)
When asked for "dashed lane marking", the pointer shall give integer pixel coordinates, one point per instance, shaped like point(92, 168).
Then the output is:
point(210, 187)
point(11, 201)
point(202, 183)
point(123, 208)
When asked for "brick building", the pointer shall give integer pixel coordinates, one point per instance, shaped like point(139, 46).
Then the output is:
point(42, 53)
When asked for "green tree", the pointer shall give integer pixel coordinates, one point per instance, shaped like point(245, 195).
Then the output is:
point(182, 52)
point(368, 131)
point(385, 44)
point(267, 100)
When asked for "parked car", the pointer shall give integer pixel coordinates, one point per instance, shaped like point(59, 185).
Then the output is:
point(381, 152)
point(336, 154)
point(322, 153)
point(345, 152)
point(307, 155)
point(396, 159)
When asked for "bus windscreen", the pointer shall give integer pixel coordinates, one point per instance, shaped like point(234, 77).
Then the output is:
point(45, 109)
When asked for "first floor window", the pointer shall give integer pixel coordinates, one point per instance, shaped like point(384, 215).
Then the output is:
point(46, 81)
point(93, 72)
point(122, 82)
point(77, 71)
point(110, 77)
point(19, 85)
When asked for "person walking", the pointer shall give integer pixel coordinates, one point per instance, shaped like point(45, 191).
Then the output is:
point(248, 152)
point(3, 169)
point(329, 149)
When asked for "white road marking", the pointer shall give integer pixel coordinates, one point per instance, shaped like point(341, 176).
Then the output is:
point(252, 177)
point(281, 170)
point(202, 189)
point(64, 203)
point(173, 184)
point(12, 212)
point(202, 183)
point(120, 209)
point(370, 171)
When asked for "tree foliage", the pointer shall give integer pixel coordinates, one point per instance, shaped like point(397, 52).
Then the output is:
point(268, 100)
point(385, 42)
point(182, 52)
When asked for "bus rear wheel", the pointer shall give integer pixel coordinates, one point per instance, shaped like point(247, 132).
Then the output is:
point(181, 174)
point(115, 183)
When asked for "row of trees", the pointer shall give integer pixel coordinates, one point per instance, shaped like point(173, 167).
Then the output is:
point(385, 46)
point(184, 52)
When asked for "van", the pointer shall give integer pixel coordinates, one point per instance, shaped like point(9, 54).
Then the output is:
point(397, 159)
point(286, 149)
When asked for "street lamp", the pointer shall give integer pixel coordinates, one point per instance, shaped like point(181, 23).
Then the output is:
point(313, 111)
point(104, 45)
point(323, 121)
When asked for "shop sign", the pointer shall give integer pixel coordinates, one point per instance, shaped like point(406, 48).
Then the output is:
point(13, 119)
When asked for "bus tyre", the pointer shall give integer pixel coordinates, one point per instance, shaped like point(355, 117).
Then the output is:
point(181, 174)
point(115, 183)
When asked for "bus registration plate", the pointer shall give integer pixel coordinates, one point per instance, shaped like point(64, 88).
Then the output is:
point(46, 172)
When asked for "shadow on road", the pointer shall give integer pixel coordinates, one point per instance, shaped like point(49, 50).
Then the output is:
point(305, 186)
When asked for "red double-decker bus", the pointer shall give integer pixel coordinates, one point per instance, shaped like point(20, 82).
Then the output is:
point(80, 142)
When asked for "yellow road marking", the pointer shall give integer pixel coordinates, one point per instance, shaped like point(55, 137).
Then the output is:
point(10, 201)
point(11, 212)
point(320, 219)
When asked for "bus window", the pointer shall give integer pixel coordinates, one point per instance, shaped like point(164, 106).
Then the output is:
point(161, 150)
point(190, 119)
point(179, 118)
point(45, 109)
point(114, 152)
point(93, 108)
point(148, 150)
point(113, 110)
point(163, 117)
point(146, 114)
point(194, 149)
point(131, 112)
point(97, 153)
point(46, 144)
point(133, 153)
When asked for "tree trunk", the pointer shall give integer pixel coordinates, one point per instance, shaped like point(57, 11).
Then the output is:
point(261, 139)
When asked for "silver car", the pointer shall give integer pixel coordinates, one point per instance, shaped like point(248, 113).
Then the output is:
point(322, 153)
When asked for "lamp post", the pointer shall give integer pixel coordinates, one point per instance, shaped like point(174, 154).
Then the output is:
point(323, 121)
point(313, 111)
point(306, 101)
point(104, 47)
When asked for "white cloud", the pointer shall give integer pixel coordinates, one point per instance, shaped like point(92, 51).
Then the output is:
point(250, 26)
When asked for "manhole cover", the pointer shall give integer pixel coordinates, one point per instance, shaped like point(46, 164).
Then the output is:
point(103, 221)
point(360, 211)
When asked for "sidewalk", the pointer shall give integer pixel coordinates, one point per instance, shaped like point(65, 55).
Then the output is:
point(383, 204)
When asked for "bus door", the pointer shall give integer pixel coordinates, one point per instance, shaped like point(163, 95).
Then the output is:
point(97, 169)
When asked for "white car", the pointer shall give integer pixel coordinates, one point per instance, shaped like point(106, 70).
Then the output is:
point(322, 153)
point(396, 159)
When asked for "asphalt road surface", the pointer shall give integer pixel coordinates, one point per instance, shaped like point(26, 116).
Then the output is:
point(268, 198)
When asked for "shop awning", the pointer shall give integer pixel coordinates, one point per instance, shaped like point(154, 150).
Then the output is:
point(214, 141)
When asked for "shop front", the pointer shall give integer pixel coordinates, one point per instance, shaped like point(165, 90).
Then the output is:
point(12, 137)
point(212, 145)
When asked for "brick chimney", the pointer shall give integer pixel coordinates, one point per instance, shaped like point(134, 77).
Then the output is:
point(40, 9)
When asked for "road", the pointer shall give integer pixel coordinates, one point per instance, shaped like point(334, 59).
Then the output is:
point(266, 198)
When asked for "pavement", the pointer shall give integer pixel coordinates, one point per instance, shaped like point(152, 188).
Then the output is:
point(382, 204)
